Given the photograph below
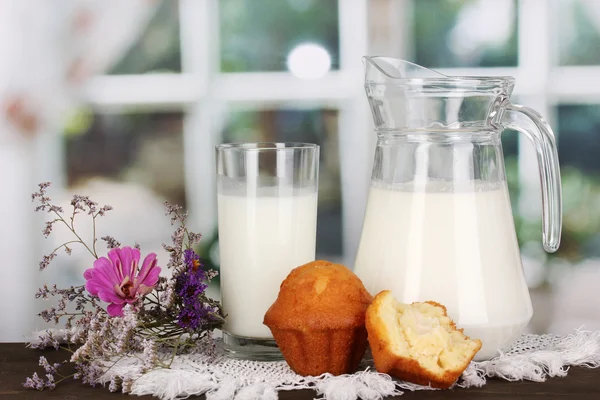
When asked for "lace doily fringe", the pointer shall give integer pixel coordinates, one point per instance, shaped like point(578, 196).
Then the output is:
point(536, 364)
point(532, 357)
point(175, 383)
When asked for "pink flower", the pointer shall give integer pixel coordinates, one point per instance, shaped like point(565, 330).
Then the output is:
point(116, 279)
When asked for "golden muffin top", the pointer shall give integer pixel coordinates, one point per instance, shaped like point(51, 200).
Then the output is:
point(319, 295)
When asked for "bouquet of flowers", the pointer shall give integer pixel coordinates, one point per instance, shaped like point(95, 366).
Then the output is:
point(125, 308)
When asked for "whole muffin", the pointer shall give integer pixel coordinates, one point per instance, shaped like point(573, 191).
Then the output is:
point(318, 319)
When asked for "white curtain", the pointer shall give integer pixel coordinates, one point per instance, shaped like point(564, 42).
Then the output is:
point(48, 51)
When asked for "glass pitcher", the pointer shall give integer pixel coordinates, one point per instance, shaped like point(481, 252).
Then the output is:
point(438, 224)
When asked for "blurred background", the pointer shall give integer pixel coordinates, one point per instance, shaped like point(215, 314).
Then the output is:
point(124, 101)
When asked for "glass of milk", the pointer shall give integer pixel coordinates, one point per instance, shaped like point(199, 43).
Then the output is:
point(267, 201)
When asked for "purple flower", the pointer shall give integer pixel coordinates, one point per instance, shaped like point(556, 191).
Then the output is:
point(89, 373)
point(111, 242)
point(189, 287)
point(116, 279)
point(193, 276)
point(35, 382)
point(193, 315)
point(46, 260)
point(50, 369)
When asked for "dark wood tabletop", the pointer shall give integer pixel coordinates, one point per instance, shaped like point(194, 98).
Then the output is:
point(18, 362)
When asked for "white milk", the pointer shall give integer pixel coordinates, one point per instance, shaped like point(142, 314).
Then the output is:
point(457, 248)
point(261, 239)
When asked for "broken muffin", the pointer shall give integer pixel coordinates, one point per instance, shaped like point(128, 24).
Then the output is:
point(417, 342)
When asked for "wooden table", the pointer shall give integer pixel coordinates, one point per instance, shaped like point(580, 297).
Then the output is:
point(18, 362)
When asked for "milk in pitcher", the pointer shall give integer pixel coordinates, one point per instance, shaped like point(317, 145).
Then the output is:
point(453, 245)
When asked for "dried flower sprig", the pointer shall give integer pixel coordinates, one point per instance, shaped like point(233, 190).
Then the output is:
point(79, 204)
point(148, 317)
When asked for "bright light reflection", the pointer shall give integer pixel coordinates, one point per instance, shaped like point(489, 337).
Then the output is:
point(309, 61)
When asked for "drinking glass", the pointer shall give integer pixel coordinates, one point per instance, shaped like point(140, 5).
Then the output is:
point(267, 202)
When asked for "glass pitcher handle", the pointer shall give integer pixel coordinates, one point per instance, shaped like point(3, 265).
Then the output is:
point(531, 123)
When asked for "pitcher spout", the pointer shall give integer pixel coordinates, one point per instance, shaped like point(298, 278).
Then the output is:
point(406, 96)
point(380, 69)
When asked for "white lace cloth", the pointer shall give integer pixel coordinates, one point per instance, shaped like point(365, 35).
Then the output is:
point(532, 357)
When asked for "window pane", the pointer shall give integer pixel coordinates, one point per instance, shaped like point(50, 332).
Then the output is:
point(131, 161)
point(257, 35)
point(510, 148)
point(470, 33)
point(578, 149)
point(579, 32)
point(510, 143)
point(312, 126)
point(158, 49)
point(133, 148)
point(579, 137)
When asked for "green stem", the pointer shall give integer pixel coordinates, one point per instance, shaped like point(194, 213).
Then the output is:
point(170, 335)
point(64, 314)
point(159, 326)
point(72, 229)
point(63, 378)
point(175, 350)
point(157, 297)
point(73, 216)
point(65, 244)
point(94, 233)
point(165, 338)
point(162, 332)
point(67, 348)
point(152, 301)
point(115, 363)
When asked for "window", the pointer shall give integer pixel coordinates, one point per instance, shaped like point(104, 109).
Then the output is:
point(314, 126)
point(256, 35)
point(158, 49)
point(579, 146)
point(443, 33)
point(128, 147)
point(156, 116)
point(199, 91)
point(579, 32)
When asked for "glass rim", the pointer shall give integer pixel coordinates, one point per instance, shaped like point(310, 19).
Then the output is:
point(266, 146)
point(437, 79)
point(460, 81)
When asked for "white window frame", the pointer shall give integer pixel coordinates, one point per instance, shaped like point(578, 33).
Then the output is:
point(204, 93)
